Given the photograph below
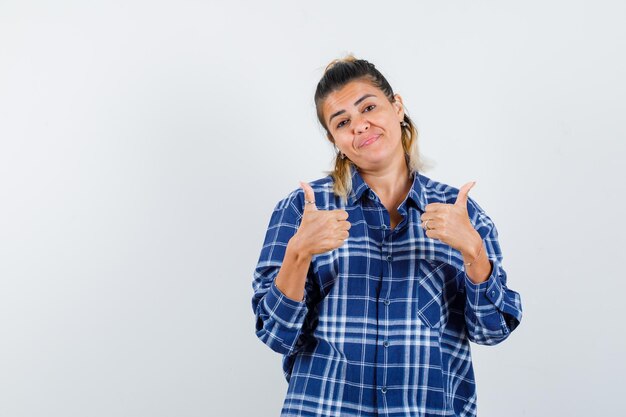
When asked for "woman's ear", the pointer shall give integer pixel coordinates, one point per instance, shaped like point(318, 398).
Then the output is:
point(399, 106)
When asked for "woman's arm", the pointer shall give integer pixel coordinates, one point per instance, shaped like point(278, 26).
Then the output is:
point(319, 231)
point(477, 265)
point(297, 231)
point(279, 319)
point(492, 310)
point(292, 275)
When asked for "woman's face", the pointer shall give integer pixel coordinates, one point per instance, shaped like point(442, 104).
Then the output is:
point(365, 126)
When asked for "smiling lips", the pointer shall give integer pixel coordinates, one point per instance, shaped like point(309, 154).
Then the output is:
point(369, 140)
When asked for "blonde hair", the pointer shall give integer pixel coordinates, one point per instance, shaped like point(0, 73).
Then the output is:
point(337, 74)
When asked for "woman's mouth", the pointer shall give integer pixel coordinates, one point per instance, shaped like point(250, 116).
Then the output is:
point(369, 141)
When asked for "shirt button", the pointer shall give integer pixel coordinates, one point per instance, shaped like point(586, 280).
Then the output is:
point(383, 390)
point(387, 302)
point(384, 227)
point(389, 257)
point(386, 343)
point(493, 292)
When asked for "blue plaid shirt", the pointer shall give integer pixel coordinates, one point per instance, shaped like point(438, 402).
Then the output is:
point(385, 324)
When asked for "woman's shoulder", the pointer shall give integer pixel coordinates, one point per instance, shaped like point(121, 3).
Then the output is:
point(439, 192)
point(323, 189)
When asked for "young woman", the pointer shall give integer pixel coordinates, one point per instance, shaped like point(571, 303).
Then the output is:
point(372, 281)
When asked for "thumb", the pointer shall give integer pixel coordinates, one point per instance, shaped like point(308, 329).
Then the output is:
point(461, 199)
point(309, 196)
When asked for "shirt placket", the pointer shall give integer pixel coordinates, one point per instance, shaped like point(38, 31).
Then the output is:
point(383, 311)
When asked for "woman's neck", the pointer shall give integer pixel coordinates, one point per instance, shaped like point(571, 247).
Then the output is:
point(390, 184)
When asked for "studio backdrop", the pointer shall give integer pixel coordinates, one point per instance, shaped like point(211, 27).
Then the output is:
point(144, 144)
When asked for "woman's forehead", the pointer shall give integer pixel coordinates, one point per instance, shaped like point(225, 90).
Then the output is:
point(350, 94)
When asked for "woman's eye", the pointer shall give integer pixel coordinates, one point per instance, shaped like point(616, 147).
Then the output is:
point(366, 109)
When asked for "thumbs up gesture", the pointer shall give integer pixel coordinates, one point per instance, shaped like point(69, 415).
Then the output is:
point(450, 223)
point(320, 230)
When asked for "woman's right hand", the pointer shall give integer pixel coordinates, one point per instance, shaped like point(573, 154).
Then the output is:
point(320, 230)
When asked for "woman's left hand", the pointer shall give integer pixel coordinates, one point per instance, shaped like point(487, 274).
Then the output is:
point(450, 223)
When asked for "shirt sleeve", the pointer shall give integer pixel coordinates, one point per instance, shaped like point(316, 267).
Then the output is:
point(279, 319)
point(492, 310)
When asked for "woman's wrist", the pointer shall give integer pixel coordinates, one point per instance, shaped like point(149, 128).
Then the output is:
point(297, 250)
point(473, 249)
point(292, 275)
point(477, 264)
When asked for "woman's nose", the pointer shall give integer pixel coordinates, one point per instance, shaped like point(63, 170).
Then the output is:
point(360, 124)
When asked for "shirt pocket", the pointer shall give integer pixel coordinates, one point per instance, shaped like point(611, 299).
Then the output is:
point(430, 292)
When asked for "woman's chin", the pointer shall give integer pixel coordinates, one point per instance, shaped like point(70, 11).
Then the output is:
point(373, 164)
point(376, 160)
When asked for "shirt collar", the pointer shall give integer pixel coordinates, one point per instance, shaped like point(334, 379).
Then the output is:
point(359, 187)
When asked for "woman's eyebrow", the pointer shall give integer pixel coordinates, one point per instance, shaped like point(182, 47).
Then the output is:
point(356, 103)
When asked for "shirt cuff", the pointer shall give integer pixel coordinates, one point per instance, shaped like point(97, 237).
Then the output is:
point(286, 311)
point(486, 293)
